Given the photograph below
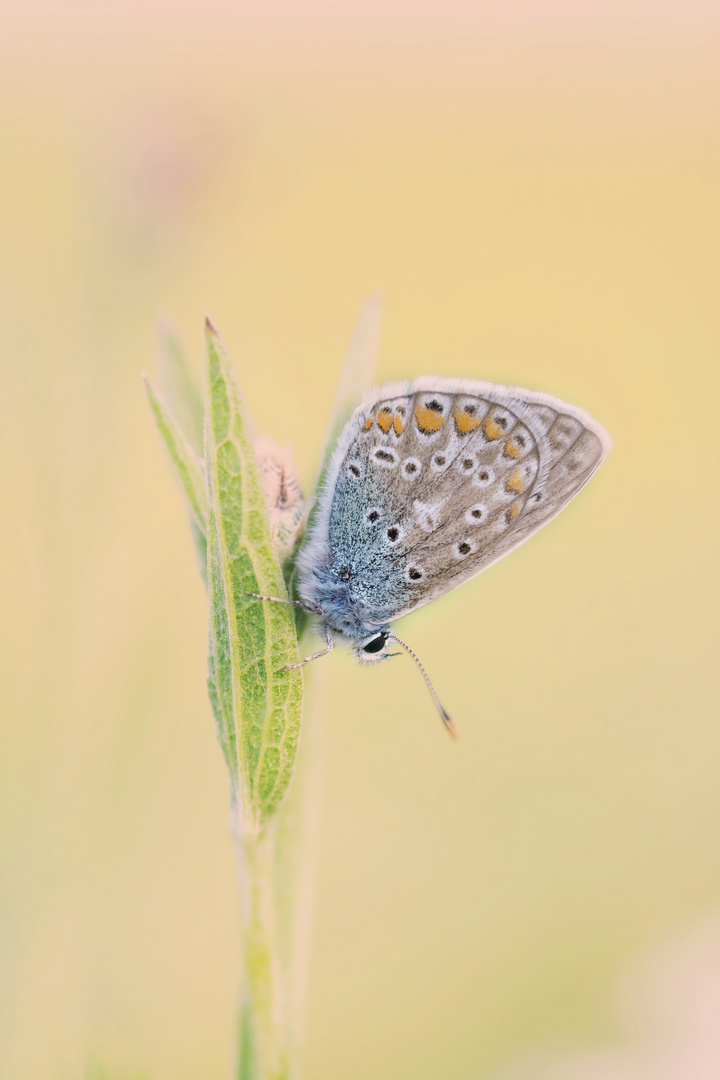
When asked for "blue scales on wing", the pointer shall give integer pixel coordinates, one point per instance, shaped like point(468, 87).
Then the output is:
point(435, 481)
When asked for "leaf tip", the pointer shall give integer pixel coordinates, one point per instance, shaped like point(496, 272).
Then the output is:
point(209, 328)
point(149, 388)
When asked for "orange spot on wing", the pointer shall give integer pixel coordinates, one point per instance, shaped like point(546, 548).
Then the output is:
point(398, 425)
point(384, 420)
point(514, 511)
point(428, 419)
point(368, 423)
point(465, 421)
point(493, 430)
point(512, 450)
point(515, 482)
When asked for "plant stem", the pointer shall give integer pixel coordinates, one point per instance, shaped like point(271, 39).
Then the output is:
point(263, 968)
point(275, 872)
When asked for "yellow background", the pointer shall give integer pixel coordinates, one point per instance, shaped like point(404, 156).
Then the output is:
point(534, 193)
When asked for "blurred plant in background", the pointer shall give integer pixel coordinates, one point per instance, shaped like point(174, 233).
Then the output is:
point(669, 1013)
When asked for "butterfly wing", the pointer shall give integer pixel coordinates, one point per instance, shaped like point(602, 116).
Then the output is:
point(433, 481)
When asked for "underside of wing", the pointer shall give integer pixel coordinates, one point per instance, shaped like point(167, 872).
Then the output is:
point(433, 481)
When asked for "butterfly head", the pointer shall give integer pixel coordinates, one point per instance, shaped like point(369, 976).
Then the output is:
point(373, 648)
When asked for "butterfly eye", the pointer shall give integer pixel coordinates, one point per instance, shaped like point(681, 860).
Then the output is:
point(376, 644)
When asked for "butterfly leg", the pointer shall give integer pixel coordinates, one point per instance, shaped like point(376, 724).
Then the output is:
point(279, 600)
point(315, 656)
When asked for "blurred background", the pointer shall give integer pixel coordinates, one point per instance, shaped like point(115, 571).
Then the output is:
point(533, 189)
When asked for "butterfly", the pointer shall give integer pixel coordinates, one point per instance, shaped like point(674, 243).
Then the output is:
point(429, 484)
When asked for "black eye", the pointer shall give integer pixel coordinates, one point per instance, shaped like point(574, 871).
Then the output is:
point(373, 515)
point(376, 644)
point(393, 533)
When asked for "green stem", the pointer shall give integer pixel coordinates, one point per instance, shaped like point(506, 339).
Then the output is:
point(263, 968)
point(275, 871)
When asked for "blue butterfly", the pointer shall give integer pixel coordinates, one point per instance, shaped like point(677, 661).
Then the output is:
point(430, 483)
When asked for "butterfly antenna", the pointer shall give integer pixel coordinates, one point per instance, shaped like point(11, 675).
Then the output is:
point(438, 705)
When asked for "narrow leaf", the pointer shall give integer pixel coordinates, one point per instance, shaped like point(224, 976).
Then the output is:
point(251, 641)
point(178, 387)
point(186, 467)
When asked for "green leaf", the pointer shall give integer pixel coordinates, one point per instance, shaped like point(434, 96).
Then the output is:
point(252, 641)
point(179, 389)
point(187, 468)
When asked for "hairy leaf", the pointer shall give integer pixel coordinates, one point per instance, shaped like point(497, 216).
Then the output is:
point(252, 641)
